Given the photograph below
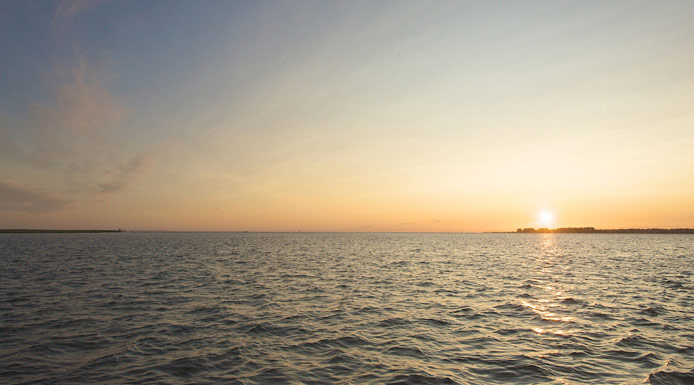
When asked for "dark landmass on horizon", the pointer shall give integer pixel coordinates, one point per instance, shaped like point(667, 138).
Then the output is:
point(593, 230)
point(58, 231)
point(527, 230)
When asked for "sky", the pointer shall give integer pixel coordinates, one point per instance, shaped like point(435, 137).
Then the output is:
point(435, 116)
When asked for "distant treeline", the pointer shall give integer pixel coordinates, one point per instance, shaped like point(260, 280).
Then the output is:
point(607, 231)
point(58, 231)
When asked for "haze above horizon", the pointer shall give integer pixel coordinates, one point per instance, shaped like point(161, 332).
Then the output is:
point(343, 116)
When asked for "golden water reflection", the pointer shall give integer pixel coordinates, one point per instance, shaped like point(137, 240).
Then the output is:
point(547, 289)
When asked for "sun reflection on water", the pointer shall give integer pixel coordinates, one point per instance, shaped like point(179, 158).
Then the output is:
point(547, 291)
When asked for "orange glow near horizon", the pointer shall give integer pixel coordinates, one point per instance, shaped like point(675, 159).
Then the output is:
point(373, 116)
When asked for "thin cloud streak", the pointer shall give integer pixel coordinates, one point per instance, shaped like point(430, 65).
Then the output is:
point(80, 117)
point(17, 198)
point(72, 136)
point(67, 10)
point(124, 176)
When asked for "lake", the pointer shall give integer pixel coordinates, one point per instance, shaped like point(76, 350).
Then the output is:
point(347, 308)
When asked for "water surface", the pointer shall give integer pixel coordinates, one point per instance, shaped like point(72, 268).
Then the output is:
point(346, 308)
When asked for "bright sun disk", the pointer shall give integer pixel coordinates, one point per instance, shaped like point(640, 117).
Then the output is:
point(545, 218)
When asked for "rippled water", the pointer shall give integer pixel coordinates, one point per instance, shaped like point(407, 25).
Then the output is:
point(346, 308)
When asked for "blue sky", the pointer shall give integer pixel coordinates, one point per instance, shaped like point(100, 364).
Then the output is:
point(436, 116)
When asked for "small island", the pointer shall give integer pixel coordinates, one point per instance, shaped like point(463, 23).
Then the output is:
point(24, 231)
point(593, 230)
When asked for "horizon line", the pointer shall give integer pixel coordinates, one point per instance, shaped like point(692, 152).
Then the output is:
point(550, 230)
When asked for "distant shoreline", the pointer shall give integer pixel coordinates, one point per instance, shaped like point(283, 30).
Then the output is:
point(592, 230)
point(529, 230)
point(10, 231)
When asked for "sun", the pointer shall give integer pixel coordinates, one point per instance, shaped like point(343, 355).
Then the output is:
point(545, 218)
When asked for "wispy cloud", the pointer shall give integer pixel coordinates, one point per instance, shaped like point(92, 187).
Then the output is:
point(69, 140)
point(17, 198)
point(80, 116)
point(67, 10)
point(124, 176)
point(72, 136)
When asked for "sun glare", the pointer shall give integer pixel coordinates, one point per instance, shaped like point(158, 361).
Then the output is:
point(545, 218)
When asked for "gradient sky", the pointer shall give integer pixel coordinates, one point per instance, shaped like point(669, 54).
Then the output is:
point(346, 116)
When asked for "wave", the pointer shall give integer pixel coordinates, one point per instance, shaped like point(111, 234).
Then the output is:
point(667, 377)
point(345, 308)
